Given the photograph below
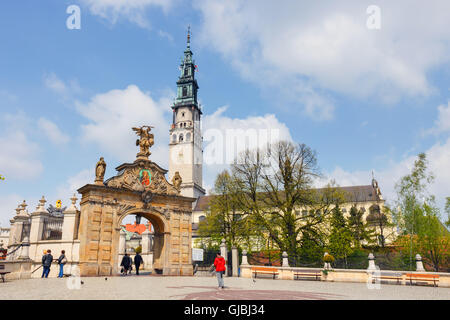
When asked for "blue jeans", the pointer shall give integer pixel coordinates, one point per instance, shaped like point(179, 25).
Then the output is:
point(219, 275)
point(61, 272)
point(45, 272)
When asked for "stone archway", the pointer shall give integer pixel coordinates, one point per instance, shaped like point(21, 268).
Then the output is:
point(161, 228)
point(104, 205)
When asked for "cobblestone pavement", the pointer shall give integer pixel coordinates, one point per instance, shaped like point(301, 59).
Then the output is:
point(204, 288)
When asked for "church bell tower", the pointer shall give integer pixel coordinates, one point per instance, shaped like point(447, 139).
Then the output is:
point(185, 146)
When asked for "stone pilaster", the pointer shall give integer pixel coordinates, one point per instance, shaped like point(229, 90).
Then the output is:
point(25, 251)
point(224, 254)
point(70, 219)
point(235, 261)
point(37, 221)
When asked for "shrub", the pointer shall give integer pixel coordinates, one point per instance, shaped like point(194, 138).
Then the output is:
point(328, 258)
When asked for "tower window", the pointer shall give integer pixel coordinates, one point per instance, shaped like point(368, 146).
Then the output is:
point(174, 138)
point(186, 71)
point(188, 137)
point(182, 114)
point(184, 91)
point(181, 138)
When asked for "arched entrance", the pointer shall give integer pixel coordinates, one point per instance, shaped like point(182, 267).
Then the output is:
point(158, 248)
point(104, 206)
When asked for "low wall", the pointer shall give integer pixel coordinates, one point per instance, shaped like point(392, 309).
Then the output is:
point(343, 275)
point(19, 269)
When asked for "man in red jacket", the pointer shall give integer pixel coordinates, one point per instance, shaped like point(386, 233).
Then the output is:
point(219, 263)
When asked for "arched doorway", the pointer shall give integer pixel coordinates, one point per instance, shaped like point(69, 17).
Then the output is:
point(156, 250)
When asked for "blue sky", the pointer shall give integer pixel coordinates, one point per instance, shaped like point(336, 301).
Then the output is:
point(363, 99)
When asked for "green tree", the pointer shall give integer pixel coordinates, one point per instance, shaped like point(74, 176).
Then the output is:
point(447, 210)
point(433, 240)
point(2, 177)
point(381, 223)
point(225, 219)
point(418, 216)
point(312, 248)
point(359, 229)
point(340, 239)
point(276, 182)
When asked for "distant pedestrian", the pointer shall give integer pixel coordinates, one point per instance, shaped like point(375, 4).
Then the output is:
point(62, 260)
point(137, 262)
point(47, 260)
point(125, 264)
point(219, 264)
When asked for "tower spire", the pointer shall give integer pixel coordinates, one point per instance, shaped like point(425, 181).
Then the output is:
point(189, 37)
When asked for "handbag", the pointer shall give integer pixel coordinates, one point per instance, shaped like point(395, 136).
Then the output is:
point(64, 260)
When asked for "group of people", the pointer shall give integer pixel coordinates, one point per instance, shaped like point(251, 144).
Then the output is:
point(127, 263)
point(47, 260)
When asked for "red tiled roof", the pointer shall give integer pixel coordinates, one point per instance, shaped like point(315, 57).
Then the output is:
point(137, 228)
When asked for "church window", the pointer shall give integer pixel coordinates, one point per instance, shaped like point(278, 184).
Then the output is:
point(174, 138)
point(182, 114)
point(181, 138)
point(201, 218)
point(186, 71)
point(184, 91)
point(188, 136)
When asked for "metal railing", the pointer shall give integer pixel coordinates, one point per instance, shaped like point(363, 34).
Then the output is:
point(52, 229)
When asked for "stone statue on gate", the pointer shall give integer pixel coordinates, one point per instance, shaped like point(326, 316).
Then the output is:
point(145, 141)
point(100, 169)
point(176, 181)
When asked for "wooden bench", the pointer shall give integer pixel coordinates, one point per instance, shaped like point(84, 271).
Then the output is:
point(387, 276)
point(263, 270)
point(308, 274)
point(423, 277)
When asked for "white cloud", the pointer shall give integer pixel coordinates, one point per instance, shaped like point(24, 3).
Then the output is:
point(438, 157)
point(73, 183)
point(54, 83)
point(305, 47)
point(442, 124)
point(111, 116)
point(8, 204)
point(225, 138)
point(62, 88)
point(52, 131)
point(19, 155)
point(133, 10)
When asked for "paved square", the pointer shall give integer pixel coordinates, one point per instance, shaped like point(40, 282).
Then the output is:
point(205, 288)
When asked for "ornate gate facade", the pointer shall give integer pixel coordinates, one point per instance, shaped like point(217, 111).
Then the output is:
point(138, 188)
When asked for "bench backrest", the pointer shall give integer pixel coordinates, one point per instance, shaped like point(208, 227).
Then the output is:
point(415, 275)
point(264, 269)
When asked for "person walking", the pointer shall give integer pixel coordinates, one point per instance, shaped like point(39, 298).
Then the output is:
point(125, 264)
point(219, 264)
point(47, 260)
point(137, 262)
point(62, 260)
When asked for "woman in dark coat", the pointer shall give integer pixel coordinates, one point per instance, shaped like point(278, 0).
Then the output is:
point(125, 264)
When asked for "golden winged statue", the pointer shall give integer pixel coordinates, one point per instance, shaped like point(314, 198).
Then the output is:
point(145, 141)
